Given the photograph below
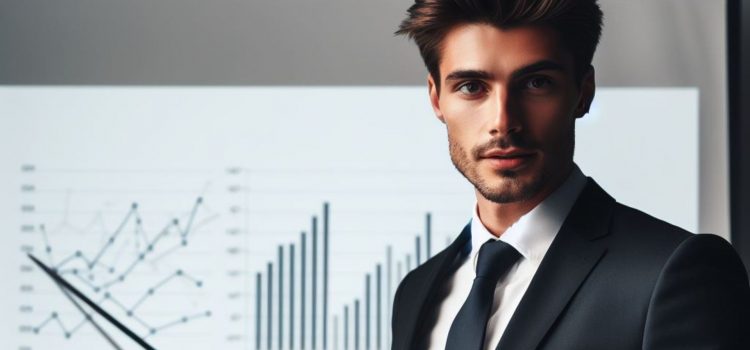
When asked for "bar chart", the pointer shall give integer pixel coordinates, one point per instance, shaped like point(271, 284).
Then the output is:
point(376, 296)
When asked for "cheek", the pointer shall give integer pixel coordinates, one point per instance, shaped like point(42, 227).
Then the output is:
point(548, 120)
point(459, 137)
point(464, 124)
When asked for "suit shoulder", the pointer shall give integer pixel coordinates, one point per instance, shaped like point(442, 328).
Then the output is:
point(655, 244)
point(712, 253)
point(702, 296)
point(645, 230)
point(642, 242)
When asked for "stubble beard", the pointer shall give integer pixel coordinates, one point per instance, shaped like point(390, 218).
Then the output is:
point(513, 188)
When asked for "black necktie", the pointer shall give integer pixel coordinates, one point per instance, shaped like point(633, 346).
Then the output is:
point(468, 329)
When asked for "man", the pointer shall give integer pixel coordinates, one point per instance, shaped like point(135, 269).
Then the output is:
point(549, 260)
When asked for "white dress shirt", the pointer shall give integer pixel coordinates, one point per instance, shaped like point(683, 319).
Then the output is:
point(531, 236)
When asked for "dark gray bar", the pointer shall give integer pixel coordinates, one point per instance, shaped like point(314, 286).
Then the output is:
point(303, 296)
point(325, 276)
point(291, 295)
point(258, 310)
point(418, 251)
point(408, 263)
point(428, 236)
point(314, 301)
point(269, 339)
point(378, 307)
point(281, 297)
point(346, 327)
point(367, 311)
point(356, 324)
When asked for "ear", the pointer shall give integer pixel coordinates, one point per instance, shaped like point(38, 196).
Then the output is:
point(588, 88)
point(434, 98)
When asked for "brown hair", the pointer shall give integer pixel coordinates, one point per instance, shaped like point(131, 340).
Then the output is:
point(579, 23)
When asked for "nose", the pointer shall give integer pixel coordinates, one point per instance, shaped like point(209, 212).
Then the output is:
point(504, 118)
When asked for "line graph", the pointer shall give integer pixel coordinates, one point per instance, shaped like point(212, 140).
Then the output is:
point(91, 266)
point(87, 270)
point(132, 263)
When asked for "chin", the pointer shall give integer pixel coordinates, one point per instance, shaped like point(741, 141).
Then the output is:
point(508, 186)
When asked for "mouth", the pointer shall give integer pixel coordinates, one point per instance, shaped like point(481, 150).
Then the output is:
point(508, 160)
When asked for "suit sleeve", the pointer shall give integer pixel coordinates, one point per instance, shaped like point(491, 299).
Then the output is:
point(701, 299)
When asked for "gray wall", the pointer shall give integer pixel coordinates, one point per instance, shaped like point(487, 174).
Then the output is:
point(347, 42)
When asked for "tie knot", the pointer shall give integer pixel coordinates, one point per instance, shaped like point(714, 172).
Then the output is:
point(495, 258)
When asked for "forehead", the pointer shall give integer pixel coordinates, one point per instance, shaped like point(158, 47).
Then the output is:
point(482, 46)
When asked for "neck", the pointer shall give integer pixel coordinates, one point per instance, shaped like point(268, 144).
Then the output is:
point(497, 217)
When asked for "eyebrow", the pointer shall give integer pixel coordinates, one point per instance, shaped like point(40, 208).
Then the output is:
point(481, 74)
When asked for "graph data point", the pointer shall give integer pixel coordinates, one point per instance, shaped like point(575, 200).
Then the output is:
point(141, 256)
point(184, 242)
point(54, 315)
point(97, 289)
point(75, 271)
point(184, 319)
point(179, 272)
point(78, 253)
point(199, 284)
point(208, 313)
point(36, 330)
point(67, 335)
point(107, 295)
point(130, 313)
point(134, 205)
point(176, 221)
point(49, 249)
point(150, 292)
point(150, 247)
point(121, 278)
point(153, 331)
point(199, 200)
point(111, 270)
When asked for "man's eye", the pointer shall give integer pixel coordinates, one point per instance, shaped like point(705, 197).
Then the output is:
point(538, 83)
point(470, 88)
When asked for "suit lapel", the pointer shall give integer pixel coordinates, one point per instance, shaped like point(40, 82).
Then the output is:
point(426, 287)
point(573, 254)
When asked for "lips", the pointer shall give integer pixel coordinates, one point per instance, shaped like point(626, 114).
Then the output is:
point(509, 153)
point(507, 159)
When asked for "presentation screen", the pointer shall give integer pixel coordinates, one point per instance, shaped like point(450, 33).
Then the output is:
point(266, 217)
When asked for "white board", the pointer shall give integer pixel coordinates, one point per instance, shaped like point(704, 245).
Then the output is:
point(243, 170)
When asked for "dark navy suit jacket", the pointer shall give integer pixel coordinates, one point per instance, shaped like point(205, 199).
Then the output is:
point(613, 278)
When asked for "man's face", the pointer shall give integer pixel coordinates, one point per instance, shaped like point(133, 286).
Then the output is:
point(509, 99)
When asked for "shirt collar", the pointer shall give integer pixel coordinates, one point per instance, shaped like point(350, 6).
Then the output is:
point(533, 233)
